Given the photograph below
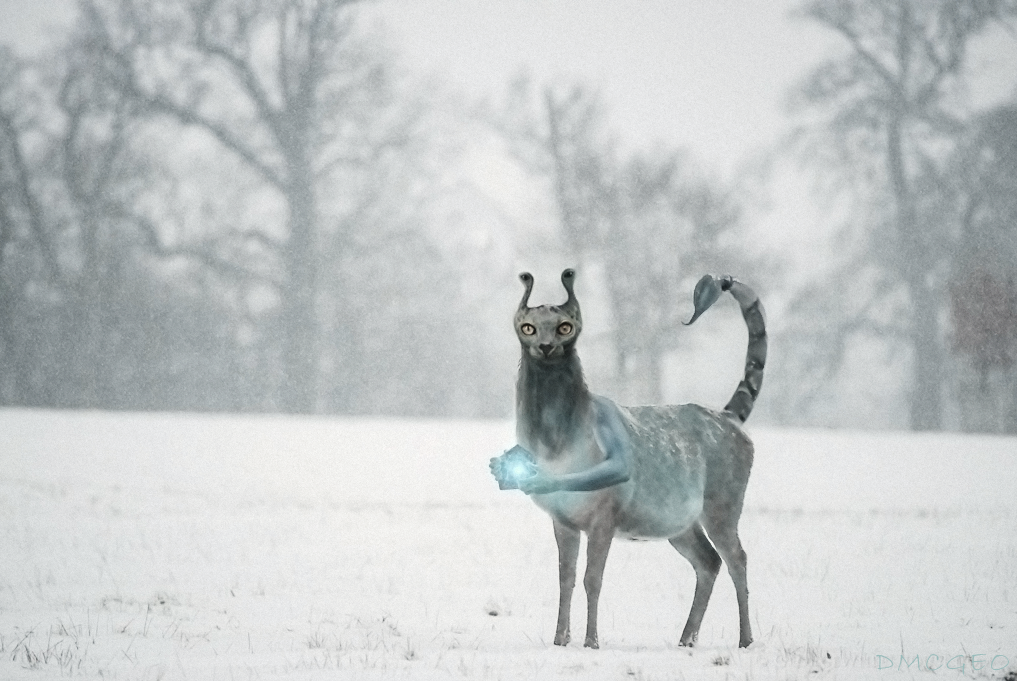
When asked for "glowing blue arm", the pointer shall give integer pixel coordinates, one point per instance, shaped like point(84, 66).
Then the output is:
point(611, 436)
point(609, 431)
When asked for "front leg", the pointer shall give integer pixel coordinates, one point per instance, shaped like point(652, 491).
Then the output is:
point(598, 544)
point(568, 556)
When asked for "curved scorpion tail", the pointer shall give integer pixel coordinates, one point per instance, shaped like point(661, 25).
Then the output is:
point(707, 291)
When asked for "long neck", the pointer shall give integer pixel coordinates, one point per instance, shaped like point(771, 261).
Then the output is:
point(551, 400)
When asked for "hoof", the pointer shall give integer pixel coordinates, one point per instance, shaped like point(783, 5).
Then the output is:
point(745, 643)
point(591, 643)
point(562, 639)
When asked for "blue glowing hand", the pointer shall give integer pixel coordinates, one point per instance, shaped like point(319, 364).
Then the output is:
point(512, 467)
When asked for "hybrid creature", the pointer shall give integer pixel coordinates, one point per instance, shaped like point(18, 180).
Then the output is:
point(675, 472)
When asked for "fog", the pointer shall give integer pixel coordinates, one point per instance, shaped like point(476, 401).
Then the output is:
point(315, 209)
point(258, 268)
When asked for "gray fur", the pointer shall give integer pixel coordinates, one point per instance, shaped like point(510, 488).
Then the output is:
point(675, 472)
point(741, 403)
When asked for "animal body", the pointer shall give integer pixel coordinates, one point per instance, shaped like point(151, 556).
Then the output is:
point(675, 472)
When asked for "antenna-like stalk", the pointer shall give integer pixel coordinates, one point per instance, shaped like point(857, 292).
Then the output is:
point(568, 278)
point(527, 280)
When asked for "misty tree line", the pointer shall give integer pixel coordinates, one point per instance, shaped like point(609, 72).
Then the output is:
point(651, 223)
point(243, 205)
point(228, 205)
point(928, 272)
point(216, 205)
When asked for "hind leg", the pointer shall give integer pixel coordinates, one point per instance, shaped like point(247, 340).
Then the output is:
point(723, 531)
point(697, 549)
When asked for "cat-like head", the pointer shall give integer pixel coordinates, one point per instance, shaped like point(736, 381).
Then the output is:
point(549, 332)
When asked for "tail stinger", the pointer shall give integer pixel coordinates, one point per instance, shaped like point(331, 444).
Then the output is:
point(707, 291)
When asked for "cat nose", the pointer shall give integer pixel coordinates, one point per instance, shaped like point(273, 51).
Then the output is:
point(546, 348)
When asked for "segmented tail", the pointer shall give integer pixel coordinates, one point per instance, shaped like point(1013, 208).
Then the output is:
point(707, 291)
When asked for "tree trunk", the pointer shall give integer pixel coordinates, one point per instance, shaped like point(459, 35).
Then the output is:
point(11, 391)
point(300, 389)
point(912, 264)
point(927, 362)
point(1010, 398)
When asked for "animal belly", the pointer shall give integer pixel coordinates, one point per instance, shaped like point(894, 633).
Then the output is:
point(574, 509)
point(663, 519)
point(666, 501)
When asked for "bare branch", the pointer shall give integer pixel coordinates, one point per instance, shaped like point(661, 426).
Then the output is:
point(244, 71)
point(126, 78)
point(202, 254)
point(27, 198)
point(842, 26)
point(397, 139)
point(6, 228)
point(224, 135)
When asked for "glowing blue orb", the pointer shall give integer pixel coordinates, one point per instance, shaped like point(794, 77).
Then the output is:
point(519, 470)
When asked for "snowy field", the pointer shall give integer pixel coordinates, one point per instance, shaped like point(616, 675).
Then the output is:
point(214, 547)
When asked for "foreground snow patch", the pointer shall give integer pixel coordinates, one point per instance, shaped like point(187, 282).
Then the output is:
point(170, 546)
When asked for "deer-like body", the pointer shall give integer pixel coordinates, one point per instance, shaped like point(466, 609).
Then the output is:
point(674, 472)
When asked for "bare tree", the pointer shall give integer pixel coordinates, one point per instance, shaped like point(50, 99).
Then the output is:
point(559, 134)
point(666, 228)
point(11, 197)
point(81, 290)
point(885, 112)
point(28, 256)
point(286, 87)
point(652, 220)
point(99, 175)
point(983, 274)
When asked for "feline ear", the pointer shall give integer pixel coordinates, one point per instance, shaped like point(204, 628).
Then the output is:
point(571, 306)
point(527, 280)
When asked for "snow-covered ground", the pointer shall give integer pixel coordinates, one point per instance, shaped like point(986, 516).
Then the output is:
point(222, 547)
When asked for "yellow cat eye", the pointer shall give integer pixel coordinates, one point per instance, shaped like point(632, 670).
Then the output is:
point(564, 328)
point(528, 329)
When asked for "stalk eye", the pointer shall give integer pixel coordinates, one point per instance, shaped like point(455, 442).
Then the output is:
point(527, 280)
point(571, 306)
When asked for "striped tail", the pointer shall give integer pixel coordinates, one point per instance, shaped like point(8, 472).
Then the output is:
point(707, 291)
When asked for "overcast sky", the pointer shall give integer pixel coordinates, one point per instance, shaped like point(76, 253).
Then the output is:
point(708, 75)
point(711, 76)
